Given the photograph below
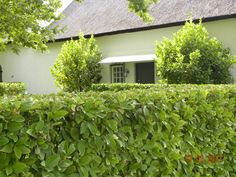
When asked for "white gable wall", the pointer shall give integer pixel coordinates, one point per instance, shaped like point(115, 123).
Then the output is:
point(33, 68)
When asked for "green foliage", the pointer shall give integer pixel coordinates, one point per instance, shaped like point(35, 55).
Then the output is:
point(12, 89)
point(193, 57)
point(123, 86)
point(130, 133)
point(140, 7)
point(154, 87)
point(20, 23)
point(77, 65)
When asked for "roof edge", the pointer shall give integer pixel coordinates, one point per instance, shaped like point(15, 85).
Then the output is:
point(146, 28)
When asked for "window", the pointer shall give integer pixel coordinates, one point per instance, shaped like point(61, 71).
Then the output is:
point(117, 73)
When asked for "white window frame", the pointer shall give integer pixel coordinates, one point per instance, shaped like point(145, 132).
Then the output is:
point(118, 73)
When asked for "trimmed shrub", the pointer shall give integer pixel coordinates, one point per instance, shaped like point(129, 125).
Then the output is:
point(193, 57)
point(121, 86)
point(77, 66)
point(188, 132)
point(12, 88)
point(133, 86)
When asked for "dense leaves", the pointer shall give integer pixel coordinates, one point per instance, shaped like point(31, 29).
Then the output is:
point(20, 23)
point(131, 86)
point(77, 65)
point(12, 88)
point(140, 7)
point(165, 132)
point(193, 57)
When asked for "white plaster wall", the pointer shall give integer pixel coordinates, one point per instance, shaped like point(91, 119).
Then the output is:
point(106, 74)
point(233, 72)
point(33, 68)
point(131, 76)
point(137, 43)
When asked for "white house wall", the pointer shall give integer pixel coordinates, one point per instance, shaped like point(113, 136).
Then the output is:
point(33, 68)
point(131, 75)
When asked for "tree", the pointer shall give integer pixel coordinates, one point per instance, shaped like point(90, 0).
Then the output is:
point(193, 57)
point(77, 66)
point(20, 23)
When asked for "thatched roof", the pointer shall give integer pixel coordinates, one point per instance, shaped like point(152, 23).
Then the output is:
point(103, 17)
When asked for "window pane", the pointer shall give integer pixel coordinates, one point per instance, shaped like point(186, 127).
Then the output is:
point(117, 74)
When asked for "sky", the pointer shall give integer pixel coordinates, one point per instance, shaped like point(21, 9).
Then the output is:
point(65, 3)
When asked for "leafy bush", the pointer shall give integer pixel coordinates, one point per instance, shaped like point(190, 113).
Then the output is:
point(122, 86)
point(188, 132)
point(193, 57)
point(77, 67)
point(12, 88)
point(153, 87)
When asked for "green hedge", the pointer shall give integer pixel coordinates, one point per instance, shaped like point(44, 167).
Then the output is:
point(121, 86)
point(12, 88)
point(134, 86)
point(188, 132)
